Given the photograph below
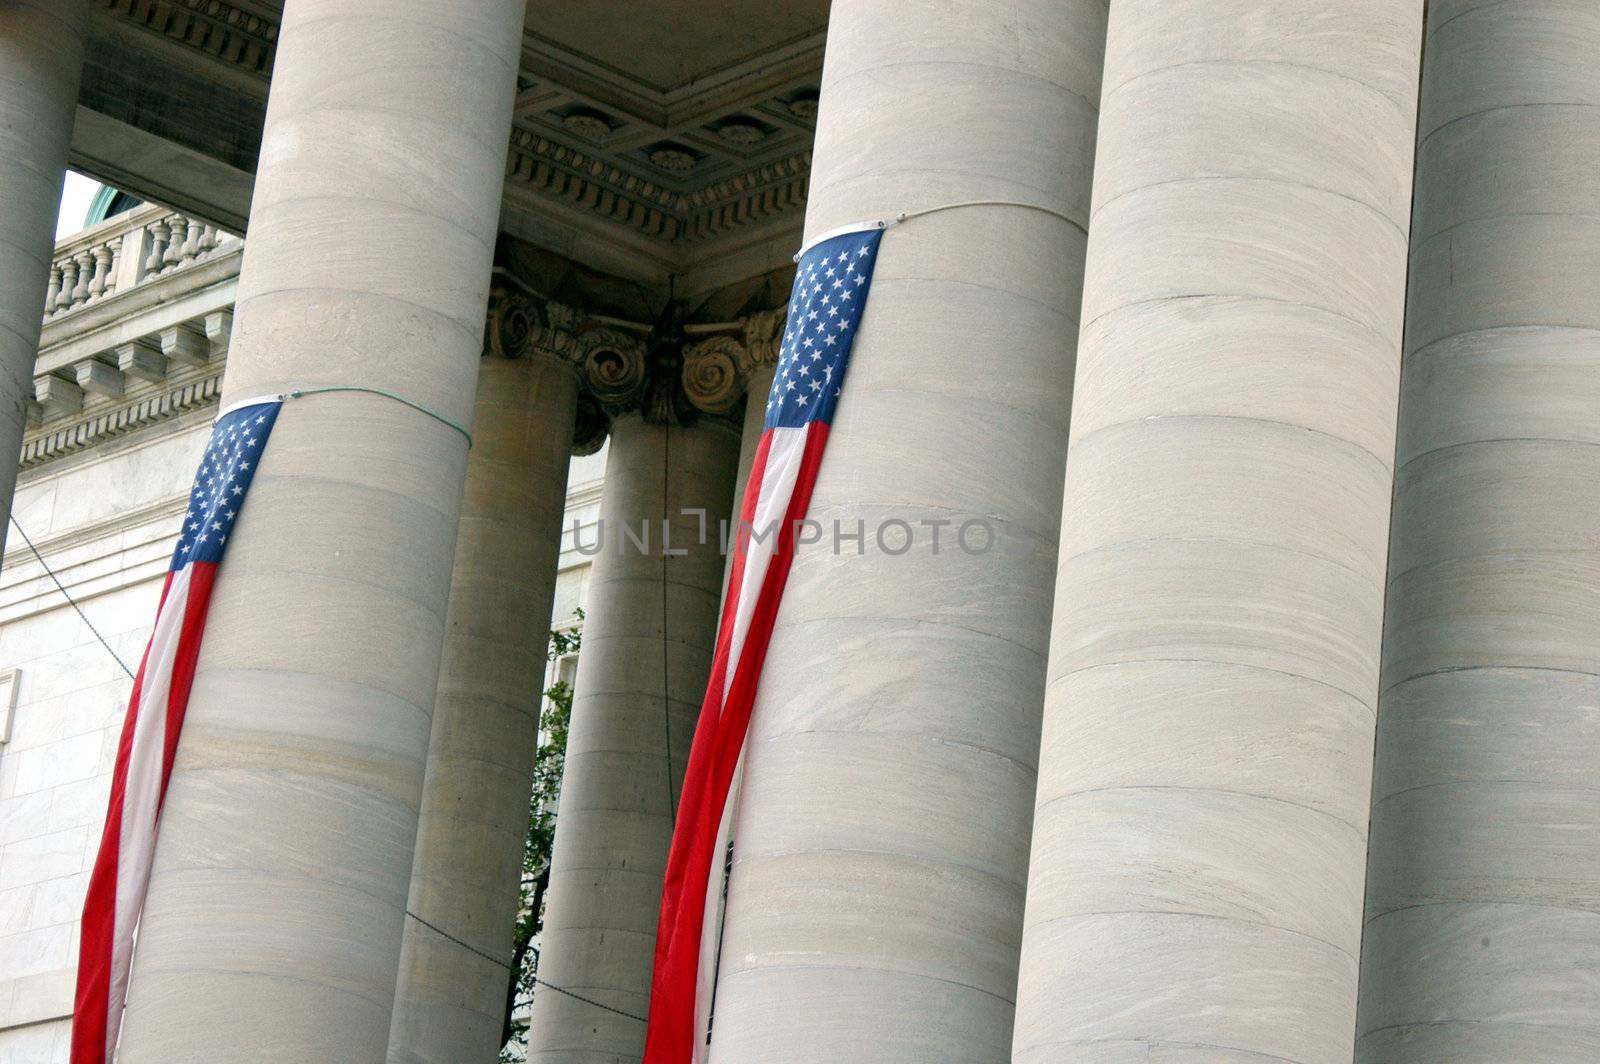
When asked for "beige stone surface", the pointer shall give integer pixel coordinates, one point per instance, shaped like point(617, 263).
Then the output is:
point(1483, 883)
point(647, 643)
point(41, 58)
point(450, 1001)
point(1195, 892)
point(891, 758)
point(285, 854)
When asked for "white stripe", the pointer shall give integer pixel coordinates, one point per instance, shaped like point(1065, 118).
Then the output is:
point(240, 404)
point(711, 927)
point(856, 227)
point(785, 455)
point(142, 792)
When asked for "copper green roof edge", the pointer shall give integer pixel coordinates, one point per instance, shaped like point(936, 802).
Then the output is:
point(105, 204)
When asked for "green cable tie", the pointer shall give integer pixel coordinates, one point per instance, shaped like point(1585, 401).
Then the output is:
point(413, 404)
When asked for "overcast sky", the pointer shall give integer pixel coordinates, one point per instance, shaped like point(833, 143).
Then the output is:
point(75, 199)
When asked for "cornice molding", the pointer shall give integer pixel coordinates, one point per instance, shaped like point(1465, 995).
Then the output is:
point(60, 439)
point(245, 39)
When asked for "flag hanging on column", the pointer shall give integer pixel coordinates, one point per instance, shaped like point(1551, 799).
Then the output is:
point(825, 305)
point(150, 729)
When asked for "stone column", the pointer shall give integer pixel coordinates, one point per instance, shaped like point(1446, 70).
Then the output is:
point(1200, 829)
point(757, 385)
point(275, 914)
point(1483, 892)
point(41, 58)
point(648, 637)
point(450, 1001)
point(875, 904)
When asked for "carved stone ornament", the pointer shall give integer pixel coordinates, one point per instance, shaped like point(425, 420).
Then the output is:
point(713, 377)
point(613, 367)
point(509, 328)
point(762, 336)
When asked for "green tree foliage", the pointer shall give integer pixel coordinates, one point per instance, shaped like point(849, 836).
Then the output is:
point(547, 766)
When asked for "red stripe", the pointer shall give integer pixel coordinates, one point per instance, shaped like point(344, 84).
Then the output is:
point(202, 575)
point(697, 770)
point(91, 1002)
point(719, 736)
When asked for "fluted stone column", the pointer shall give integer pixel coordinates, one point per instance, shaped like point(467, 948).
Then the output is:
point(274, 921)
point(41, 58)
point(648, 636)
point(1483, 907)
point(450, 1001)
point(1200, 831)
point(875, 904)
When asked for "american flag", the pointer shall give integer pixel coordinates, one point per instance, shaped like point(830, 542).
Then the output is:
point(150, 730)
point(825, 305)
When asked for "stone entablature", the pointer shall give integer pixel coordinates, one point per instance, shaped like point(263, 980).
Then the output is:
point(140, 311)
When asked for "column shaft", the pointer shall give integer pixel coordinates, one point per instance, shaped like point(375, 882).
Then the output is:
point(275, 914)
point(648, 637)
point(1199, 837)
point(1483, 907)
point(875, 905)
point(41, 58)
point(757, 386)
point(450, 1001)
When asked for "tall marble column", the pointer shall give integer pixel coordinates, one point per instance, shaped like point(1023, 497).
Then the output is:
point(274, 921)
point(875, 904)
point(648, 636)
point(41, 58)
point(1482, 941)
point(450, 1000)
point(1200, 829)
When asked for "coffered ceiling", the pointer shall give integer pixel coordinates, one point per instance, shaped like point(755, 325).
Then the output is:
point(648, 134)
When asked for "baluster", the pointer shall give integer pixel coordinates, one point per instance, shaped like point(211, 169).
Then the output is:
point(208, 238)
point(53, 293)
point(69, 282)
point(174, 252)
point(159, 232)
point(102, 271)
point(80, 291)
point(191, 246)
point(115, 251)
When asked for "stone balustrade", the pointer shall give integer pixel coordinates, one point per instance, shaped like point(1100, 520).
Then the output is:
point(125, 251)
point(137, 319)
